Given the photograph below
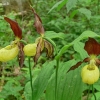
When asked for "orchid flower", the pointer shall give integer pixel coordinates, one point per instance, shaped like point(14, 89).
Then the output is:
point(11, 51)
point(90, 72)
point(41, 41)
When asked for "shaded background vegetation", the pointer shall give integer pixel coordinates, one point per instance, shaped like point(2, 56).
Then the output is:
point(70, 17)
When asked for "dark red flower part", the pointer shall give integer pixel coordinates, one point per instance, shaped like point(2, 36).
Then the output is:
point(38, 23)
point(14, 26)
point(92, 47)
point(21, 56)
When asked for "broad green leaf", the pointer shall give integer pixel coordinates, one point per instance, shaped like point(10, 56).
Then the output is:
point(86, 12)
point(70, 4)
point(79, 47)
point(50, 91)
point(41, 81)
point(70, 86)
point(84, 35)
point(62, 76)
point(52, 34)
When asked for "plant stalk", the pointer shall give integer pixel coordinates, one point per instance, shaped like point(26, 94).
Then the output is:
point(93, 92)
point(56, 78)
point(30, 75)
point(88, 92)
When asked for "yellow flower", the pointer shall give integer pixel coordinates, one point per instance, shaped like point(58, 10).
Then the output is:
point(30, 49)
point(90, 74)
point(8, 53)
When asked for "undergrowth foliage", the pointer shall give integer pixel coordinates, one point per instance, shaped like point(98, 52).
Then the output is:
point(50, 68)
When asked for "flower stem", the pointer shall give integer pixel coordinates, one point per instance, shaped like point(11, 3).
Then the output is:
point(30, 75)
point(88, 92)
point(56, 78)
point(93, 92)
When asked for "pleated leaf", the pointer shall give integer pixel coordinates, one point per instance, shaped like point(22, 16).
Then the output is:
point(67, 82)
point(71, 86)
point(41, 81)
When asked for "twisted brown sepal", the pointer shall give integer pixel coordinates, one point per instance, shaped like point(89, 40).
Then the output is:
point(42, 43)
point(92, 47)
point(21, 54)
point(38, 23)
point(40, 47)
point(14, 26)
point(79, 63)
point(49, 48)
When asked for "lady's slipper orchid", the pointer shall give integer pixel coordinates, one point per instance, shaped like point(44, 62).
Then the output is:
point(90, 73)
point(11, 51)
point(41, 41)
point(30, 49)
point(8, 53)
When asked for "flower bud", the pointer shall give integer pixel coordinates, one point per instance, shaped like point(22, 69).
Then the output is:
point(90, 76)
point(30, 49)
point(8, 53)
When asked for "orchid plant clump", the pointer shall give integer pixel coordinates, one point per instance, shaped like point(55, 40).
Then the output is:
point(89, 73)
point(21, 48)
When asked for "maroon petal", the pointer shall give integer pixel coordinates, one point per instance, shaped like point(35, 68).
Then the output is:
point(92, 47)
point(49, 48)
point(21, 55)
point(38, 23)
point(79, 63)
point(14, 26)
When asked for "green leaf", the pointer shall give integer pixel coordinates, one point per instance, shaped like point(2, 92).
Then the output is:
point(50, 90)
point(70, 4)
point(86, 12)
point(73, 13)
point(84, 35)
point(97, 96)
point(41, 81)
point(12, 87)
point(72, 86)
point(61, 4)
point(52, 35)
point(69, 84)
point(56, 5)
point(97, 85)
point(64, 67)
point(79, 47)
point(65, 80)
point(27, 89)
point(63, 50)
